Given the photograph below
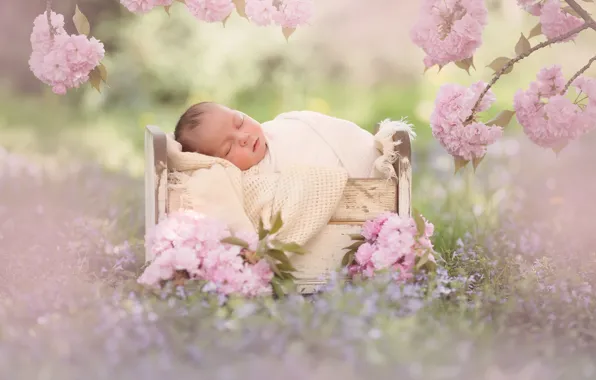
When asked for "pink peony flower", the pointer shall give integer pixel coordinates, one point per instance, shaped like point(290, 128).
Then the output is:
point(364, 253)
point(371, 228)
point(294, 13)
point(533, 7)
point(144, 6)
point(453, 106)
point(395, 246)
point(210, 10)
point(138, 6)
point(549, 118)
point(261, 12)
point(449, 31)
point(63, 61)
point(555, 22)
point(187, 240)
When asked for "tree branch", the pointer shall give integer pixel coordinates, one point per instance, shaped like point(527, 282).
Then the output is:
point(522, 56)
point(580, 72)
point(582, 12)
point(49, 16)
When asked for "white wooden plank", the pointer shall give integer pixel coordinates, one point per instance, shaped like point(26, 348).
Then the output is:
point(365, 199)
point(325, 252)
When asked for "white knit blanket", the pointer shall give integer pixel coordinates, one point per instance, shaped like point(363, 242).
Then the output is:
point(310, 158)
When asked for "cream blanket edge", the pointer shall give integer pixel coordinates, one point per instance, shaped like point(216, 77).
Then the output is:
point(307, 196)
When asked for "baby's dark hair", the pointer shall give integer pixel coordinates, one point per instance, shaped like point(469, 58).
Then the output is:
point(190, 120)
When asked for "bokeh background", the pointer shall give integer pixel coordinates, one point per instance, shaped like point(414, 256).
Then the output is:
point(355, 61)
point(514, 240)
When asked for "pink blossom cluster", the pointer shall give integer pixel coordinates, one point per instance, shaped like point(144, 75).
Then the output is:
point(553, 20)
point(548, 117)
point(61, 60)
point(210, 10)
point(453, 106)
point(285, 13)
point(391, 243)
point(189, 241)
point(449, 30)
point(144, 6)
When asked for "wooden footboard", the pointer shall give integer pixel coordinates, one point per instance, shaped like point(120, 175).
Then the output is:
point(363, 199)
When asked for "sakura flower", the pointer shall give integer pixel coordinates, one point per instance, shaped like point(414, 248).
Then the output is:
point(453, 106)
point(261, 12)
point(210, 10)
point(449, 31)
point(294, 13)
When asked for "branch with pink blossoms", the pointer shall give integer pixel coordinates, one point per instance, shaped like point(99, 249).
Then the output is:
point(576, 75)
point(513, 61)
point(582, 13)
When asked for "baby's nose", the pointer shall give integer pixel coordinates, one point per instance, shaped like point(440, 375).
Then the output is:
point(244, 139)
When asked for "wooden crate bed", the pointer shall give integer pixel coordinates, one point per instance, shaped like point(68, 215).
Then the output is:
point(363, 199)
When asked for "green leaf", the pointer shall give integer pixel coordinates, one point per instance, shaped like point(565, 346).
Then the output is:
point(262, 231)
point(167, 9)
point(240, 8)
point(536, 31)
point(288, 32)
point(459, 163)
point(235, 241)
point(81, 22)
point(355, 245)
point(502, 119)
point(559, 147)
point(423, 262)
point(523, 45)
point(498, 63)
point(347, 259)
point(103, 73)
point(223, 22)
point(420, 225)
point(273, 266)
point(277, 289)
point(287, 267)
point(289, 247)
point(476, 161)
point(278, 255)
point(288, 275)
point(465, 64)
point(356, 237)
point(277, 223)
point(95, 78)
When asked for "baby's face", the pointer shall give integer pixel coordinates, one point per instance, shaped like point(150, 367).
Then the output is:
point(231, 135)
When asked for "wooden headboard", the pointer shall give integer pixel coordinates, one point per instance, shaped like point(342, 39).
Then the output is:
point(156, 175)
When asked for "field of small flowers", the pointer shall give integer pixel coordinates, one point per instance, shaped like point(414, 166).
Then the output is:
point(512, 298)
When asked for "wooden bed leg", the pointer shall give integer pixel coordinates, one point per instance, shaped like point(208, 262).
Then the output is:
point(403, 169)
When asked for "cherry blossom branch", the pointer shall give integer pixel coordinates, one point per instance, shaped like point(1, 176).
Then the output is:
point(580, 72)
point(522, 56)
point(582, 13)
point(49, 16)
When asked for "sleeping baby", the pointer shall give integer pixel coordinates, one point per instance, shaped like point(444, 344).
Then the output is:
point(293, 138)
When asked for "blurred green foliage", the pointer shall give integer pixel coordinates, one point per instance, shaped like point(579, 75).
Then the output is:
point(158, 65)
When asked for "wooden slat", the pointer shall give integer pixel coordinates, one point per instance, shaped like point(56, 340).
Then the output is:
point(325, 255)
point(364, 199)
point(155, 178)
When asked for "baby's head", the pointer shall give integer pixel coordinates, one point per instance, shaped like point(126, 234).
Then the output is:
point(216, 130)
